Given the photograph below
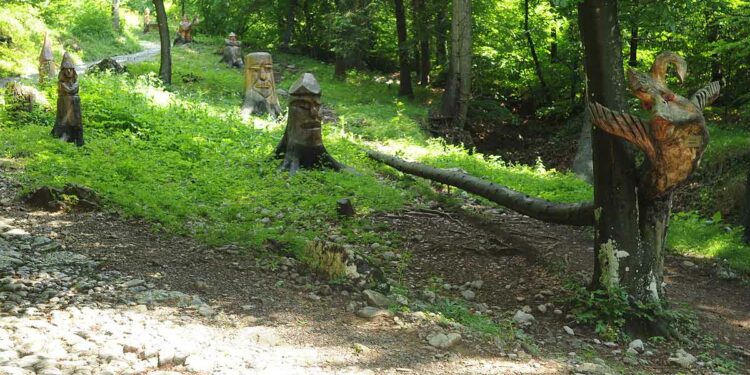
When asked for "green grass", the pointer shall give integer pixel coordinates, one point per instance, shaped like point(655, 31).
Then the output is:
point(82, 28)
point(692, 235)
point(182, 157)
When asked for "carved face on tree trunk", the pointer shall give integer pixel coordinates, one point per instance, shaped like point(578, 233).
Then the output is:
point(260, 73)
point(260, 89)
point(305, 120)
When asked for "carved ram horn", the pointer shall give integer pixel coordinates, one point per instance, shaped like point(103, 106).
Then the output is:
point(662, 61)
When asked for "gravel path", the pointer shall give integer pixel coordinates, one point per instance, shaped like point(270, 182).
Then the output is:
point(61, 316)
point(150, 49)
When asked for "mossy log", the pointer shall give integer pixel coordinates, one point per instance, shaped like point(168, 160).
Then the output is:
point(579, 214)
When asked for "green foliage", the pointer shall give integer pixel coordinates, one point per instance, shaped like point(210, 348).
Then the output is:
point(693, 235)
point(451, 310)
point(83, 28)
point(326, 259)
point(605, 310)
point(608, 312)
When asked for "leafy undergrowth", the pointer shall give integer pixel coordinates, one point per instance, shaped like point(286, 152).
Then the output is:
point(183, 157)
point(83, 28)
point(693, 235)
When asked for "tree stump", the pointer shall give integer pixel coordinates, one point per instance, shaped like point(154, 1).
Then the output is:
point(302, 143)
point(260, 87)
point(344, 207)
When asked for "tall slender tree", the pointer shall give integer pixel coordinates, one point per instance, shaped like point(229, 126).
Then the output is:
point(116, 15)
point(633, 206)
point(286, 39)
point(405, 88)
point(532, 49)
point(421, 32)
point(165, 64)
point(455, 101)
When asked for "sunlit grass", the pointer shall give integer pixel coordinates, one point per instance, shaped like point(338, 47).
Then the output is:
point(183, 157)
point(692, 235)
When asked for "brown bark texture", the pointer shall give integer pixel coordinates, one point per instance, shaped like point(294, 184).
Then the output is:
point(455, 101)
point(404, 88)
point(579, 214)
point(165, 62)
point(633, 207)
point(532, 49)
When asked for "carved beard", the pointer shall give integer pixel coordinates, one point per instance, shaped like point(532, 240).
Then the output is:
point(256, 103)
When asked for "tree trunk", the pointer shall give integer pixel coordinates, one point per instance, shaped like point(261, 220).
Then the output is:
point(746, 219)
point(441, 30)
point(288, 26)
point(339, 68)
point(571, 214)
point(165, 64)
point(553, 46)
point(116, 15)
point(633, 61)
point(421, 18)
point(455, 101)
point(631, 228)
point(405, 88)
point(532, 49)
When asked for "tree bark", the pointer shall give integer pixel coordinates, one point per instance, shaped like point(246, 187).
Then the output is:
point(288, 26)
point(455, 101)
point(746, 218)
point(532, 49)
point(553, 46)
point(631, 228)
point(165, 64)
point(421, 19)
point(579, 214)
point(116, 15)
point(441, 30)
point(633, 61)
point(405, 88)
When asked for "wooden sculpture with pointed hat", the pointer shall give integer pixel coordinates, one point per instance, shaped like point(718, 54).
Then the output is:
point(68, 124)
point(46, 61)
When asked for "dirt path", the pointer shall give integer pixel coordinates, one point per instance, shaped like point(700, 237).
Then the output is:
point(150, 49)
point(144, 302)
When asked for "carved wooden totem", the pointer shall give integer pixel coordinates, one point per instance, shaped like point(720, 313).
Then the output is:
point(232, 52)
point(185, 31)
point(46, 61)
point(68, 124)
point(302, 143)
point(147, 24)
point(260, 88)
point(676, 136)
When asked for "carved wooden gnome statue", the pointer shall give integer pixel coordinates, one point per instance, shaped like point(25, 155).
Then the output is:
point(185, 30)
point(302, 144)
point(232, 52)
point(46, 61)
point(68, 124)
point(260, 88)
point(675, 137)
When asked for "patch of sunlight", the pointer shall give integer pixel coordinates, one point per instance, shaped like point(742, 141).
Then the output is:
point(260, 123)
point(157, 95)
point(402, 148)
point(498, 366)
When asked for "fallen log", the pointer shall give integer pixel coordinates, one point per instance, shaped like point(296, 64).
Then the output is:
point(579, 214)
